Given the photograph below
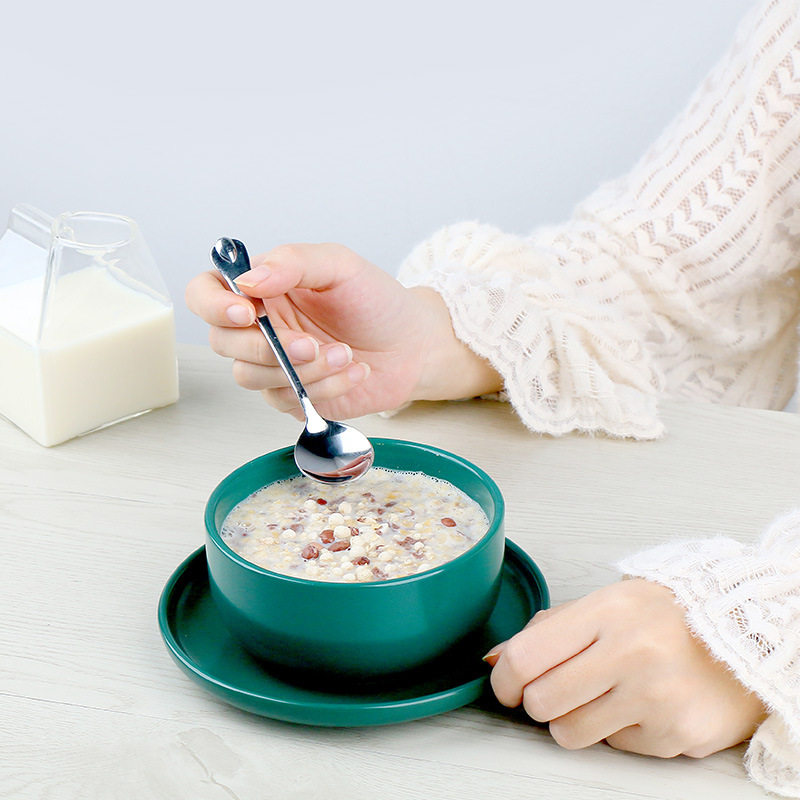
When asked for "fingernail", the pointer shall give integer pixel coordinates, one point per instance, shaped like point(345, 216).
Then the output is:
point(495, 651)
point(358, 373)
point(254, 276)
point(339, 356)
point(303, 349)
point(240, 315)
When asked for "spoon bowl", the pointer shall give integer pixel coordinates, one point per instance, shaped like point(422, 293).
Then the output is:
point(342, 446)
point(327, 451)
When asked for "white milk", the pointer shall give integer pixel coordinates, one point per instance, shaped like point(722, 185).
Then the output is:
point(106, 352)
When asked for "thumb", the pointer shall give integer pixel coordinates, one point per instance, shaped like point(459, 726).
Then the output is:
point(305, 266)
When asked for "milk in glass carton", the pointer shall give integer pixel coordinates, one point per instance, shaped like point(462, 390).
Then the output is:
point(87, 328)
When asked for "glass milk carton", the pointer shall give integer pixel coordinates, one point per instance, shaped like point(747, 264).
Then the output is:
point(87, 330)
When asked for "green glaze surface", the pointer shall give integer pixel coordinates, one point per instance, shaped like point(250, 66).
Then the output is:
point(362, 629)
point(202, 647)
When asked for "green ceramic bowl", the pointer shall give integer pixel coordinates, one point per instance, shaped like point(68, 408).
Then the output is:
point(362, 629)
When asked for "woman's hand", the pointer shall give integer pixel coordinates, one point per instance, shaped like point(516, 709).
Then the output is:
point(620, 665)
point(359, 340)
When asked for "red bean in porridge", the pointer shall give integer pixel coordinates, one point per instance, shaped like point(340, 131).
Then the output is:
point(389, 525)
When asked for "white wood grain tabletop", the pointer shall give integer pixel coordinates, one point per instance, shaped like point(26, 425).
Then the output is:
point(93, 707)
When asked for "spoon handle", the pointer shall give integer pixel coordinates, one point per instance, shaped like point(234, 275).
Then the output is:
point(231, 260)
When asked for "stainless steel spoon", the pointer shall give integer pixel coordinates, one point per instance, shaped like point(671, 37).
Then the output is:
point(327, 451)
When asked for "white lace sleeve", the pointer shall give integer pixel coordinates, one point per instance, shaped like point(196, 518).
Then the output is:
point(743, 602)
point(681, 278)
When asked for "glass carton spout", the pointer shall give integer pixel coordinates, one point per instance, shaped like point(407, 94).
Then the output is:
point(31, 224)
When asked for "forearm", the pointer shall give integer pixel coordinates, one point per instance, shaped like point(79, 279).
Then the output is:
point(680, 278)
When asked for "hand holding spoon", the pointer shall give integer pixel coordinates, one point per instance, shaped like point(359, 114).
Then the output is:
point(327, 451)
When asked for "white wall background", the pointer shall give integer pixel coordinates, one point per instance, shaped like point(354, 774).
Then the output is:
point(369, 123)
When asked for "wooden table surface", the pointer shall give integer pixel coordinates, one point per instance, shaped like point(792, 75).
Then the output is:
point(92, 706)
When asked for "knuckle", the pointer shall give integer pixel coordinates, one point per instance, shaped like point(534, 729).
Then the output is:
point(650, 652)
point(329, 389)
point(200, 295)
point(239, 373)
point(191, 294)
point(621, 740)
point(690, 734)
point(658, 695)
point(215, 339)
point(263, 352)
point(244, 375)
point(539, 616)
point(565, 735)
point(280, 399)
point(285, 254)
point(684, 731)
point(188, 297)
point(616, 600)
point(338, 251)
point(535, 703)
point(517, 655)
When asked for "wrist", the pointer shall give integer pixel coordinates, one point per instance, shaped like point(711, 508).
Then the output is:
point(451, 370)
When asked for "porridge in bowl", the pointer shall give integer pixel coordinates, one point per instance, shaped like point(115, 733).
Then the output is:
point(393, 624)
point(389, 525)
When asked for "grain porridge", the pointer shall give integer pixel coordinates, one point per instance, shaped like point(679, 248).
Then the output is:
point(389, 525)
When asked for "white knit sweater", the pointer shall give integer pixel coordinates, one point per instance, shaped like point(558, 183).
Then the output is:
point(680, 279)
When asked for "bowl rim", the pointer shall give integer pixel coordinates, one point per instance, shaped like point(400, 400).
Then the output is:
point(491, 532)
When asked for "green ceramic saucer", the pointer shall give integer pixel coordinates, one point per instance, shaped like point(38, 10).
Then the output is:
point(206, 652)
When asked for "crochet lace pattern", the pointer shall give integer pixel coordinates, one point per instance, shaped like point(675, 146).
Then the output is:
point(681, 278)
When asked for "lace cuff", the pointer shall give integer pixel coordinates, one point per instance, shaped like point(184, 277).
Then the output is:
point(568, 361)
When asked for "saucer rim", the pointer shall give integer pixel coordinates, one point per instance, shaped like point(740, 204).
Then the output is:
point(368, 712)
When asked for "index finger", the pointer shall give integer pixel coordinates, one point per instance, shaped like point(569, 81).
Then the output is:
point(491, 657)
point(540, 647)
point(209, 298)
